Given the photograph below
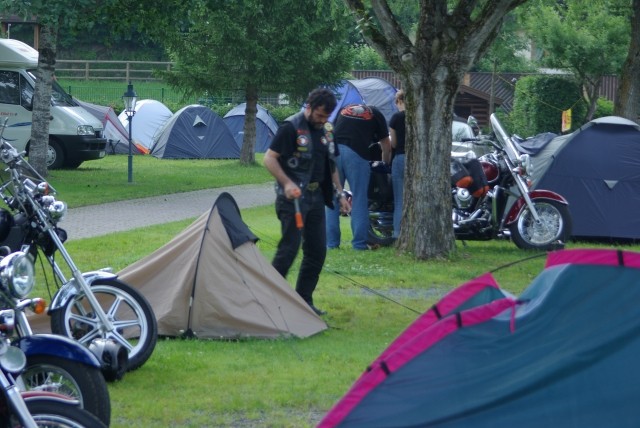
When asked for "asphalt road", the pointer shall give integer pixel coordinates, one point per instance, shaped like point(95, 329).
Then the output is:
point(98, 220)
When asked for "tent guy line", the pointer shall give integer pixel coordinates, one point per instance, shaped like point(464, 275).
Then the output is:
point(273, 244)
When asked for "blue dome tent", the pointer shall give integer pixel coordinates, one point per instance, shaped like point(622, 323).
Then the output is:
point(266, 126)
point(597, 169)
point(195, 132)
point(372, 91)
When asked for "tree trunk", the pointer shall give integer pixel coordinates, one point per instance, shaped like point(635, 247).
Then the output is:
point(592, 90)
point(42, 99)
point(427, 228)
point(628, 98)
point(247, 153)
point(449, 39)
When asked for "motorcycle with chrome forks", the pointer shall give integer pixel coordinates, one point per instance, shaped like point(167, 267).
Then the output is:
point(95, 308)
point(491, 196)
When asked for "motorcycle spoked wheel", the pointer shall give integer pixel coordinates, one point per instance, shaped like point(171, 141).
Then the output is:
point(380, 230)
point(51, 413)
point(132, 315)
point(380, 236)
point(555, 225)
point(72, 379)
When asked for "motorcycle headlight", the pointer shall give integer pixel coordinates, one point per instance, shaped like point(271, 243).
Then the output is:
point(58, 210)
point(17, 274)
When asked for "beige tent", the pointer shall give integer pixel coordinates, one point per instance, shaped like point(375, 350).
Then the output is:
point(211, 281)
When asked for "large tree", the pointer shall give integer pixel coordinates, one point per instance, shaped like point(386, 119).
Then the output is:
point(589, 39)
point(254, 48)
point(628, 97)
point(449, 38)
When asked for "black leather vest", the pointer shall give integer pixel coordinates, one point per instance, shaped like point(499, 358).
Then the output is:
point(299, 166)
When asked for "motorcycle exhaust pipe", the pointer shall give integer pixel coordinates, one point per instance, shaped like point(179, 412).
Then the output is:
point(113, 358)
point(471, 218)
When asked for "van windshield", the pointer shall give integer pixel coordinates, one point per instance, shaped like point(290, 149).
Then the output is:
point(58, 96)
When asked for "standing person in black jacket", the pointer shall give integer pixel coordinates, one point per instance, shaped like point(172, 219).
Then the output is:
point(397, 136)
point(302, 160)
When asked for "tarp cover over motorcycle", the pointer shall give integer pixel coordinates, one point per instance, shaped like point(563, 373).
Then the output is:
point(563, 354)
point(211, 281)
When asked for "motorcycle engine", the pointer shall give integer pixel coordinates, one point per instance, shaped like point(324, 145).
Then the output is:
point(463, 198)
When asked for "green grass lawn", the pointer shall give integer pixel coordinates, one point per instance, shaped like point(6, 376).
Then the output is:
point(106, 180)
point(109, 93)
point(371, 297)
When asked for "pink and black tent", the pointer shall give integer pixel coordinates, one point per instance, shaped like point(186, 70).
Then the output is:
point(563, 353)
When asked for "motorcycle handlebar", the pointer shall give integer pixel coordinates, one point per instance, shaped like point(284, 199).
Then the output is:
point(482, 141)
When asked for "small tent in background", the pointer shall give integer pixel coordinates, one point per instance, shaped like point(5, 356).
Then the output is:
point(211, 281)
point(372, 91)
point(266, 126)
point(116, 134)
point(546, 359)
point(597, 169)
point(150, 116)
point(194, 132)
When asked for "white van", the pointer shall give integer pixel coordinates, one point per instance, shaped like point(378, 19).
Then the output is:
point(75, 135)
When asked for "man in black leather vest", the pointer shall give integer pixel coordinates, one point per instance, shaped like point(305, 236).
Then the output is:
point(302, 159)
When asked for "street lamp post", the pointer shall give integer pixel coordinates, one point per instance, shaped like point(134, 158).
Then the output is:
point(129, 99)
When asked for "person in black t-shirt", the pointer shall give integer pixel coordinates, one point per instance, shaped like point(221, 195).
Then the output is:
point(302, 159)
point(357, 127)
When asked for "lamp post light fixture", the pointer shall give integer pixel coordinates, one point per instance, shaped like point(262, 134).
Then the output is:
point(129, 99)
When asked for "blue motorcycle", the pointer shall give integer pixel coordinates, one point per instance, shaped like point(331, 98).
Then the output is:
point(54, 364)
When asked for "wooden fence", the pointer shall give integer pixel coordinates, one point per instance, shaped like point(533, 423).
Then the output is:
point(147, 71)
point(110, 70)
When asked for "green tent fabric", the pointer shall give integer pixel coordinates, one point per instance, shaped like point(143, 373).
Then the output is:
point(563, 354)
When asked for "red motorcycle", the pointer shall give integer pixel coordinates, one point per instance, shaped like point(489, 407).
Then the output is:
point(490, 196)
point(492, 199)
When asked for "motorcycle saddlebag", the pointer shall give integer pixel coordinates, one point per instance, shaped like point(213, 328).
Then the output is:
point(460, 176)
point(480, 185)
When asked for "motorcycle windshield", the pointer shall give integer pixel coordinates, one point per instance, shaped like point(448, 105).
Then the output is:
point(504, 139)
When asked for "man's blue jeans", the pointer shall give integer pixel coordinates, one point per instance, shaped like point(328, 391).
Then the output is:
point(357, 171)
point(397, 180)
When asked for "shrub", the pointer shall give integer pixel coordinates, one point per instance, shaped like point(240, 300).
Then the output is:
point(280, 113)
point(604, 108)
point(539, 102)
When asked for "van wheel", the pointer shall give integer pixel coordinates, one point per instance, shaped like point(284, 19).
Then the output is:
point(55, 155)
